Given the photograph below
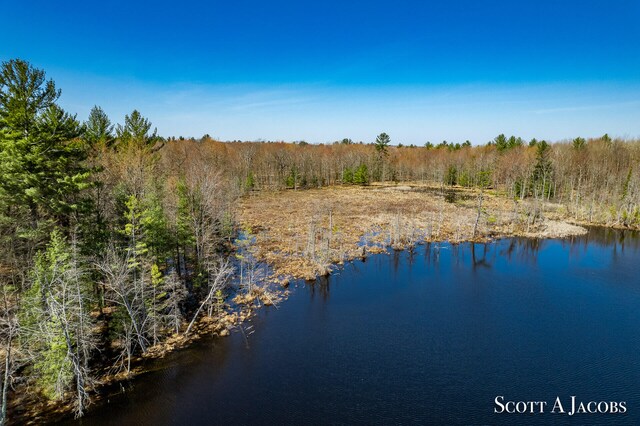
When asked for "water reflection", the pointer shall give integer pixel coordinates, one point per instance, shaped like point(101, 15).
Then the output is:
point(483, 256)
point(480, 260)
point(428, 336)
point(320, 287)
point(617, 238)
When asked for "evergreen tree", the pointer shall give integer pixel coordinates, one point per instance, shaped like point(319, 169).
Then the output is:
point(579, 143)
point(136, 130)
point(184, 229)
point(543, 171)
point(501, 142)
point(382, 143)
point(41, 159)
point(98, 130)
point(515, 141)
point(293, 178)
point(382, 151)
point(347, 175)
point(451, 178)
point(250, 181)
point(361, 175)
point(24, 94)
point(155, 228)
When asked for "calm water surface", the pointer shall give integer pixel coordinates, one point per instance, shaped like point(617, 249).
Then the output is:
point(426, 337)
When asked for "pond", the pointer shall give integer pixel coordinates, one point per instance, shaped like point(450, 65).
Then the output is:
point(422, 337)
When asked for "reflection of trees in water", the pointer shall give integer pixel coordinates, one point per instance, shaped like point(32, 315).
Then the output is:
point(457, 254)
point(617, 240)
point(479, 257)
point(322, 287)
point(525, 249)
point(432, 253)
point(484, 255)
point(427, 253)
point(396, 260)
point(411, 254)
point(578, 246)
point(613, 237)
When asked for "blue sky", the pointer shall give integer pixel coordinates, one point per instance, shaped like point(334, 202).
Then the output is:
point(321, 71)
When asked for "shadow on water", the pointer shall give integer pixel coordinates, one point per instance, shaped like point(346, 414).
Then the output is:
point(431, 335)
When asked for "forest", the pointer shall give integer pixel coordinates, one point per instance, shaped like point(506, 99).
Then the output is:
point(115, 241)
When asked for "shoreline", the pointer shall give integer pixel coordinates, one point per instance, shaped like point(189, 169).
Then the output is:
point(301, 234)
point(220, 326)
point(39, 411)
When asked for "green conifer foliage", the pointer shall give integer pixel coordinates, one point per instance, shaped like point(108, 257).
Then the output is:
point(361, 175)
point(98, 130)
point(41, 157)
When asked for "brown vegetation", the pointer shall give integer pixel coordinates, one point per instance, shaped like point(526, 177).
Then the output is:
point(596, 180)
point(302, 233)
point(111, 245)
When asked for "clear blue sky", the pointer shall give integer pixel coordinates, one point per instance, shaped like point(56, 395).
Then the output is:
point(325, 70)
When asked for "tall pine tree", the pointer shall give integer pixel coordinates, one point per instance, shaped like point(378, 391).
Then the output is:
point(41, 157)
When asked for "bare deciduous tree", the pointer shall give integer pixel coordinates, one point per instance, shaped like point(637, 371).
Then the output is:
point(218, 271)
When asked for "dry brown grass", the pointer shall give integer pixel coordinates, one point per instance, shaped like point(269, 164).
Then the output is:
point(302, 233)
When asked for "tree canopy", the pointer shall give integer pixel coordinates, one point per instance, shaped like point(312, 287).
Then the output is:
point(98, 130)
point(40, 152)
point(382, 143)
point(136, 130)
point(24, 94)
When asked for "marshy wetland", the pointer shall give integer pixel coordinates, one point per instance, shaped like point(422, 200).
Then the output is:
point(427, 335)
point(120, 246)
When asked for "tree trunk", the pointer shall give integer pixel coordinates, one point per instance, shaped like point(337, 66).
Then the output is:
point(5, 384)
point(480, 199)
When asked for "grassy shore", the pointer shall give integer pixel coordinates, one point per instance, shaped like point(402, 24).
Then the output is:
point(301, 234)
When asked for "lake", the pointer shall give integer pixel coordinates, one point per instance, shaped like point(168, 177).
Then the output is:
point(422, 337)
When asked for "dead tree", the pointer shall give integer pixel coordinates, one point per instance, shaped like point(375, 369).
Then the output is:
point(479, 212)
point(8, 331)
point(219, 272)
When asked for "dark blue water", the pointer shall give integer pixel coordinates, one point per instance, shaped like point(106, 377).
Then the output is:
point(426, 337)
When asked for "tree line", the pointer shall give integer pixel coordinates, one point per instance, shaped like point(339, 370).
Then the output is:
point(597, 180)
point(113, 238)
point(108, 247)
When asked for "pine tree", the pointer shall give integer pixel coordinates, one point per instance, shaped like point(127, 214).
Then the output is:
point(154, 224)
point(98, 130)
point(382, 151)
point(579, 143)
point(41, 158)
point(183, 227)
point(501, 142)
point(24, 94)
point(347, 175)
point(136, 130)
point(382, 143)
point(361, 175)
point(543, 171)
